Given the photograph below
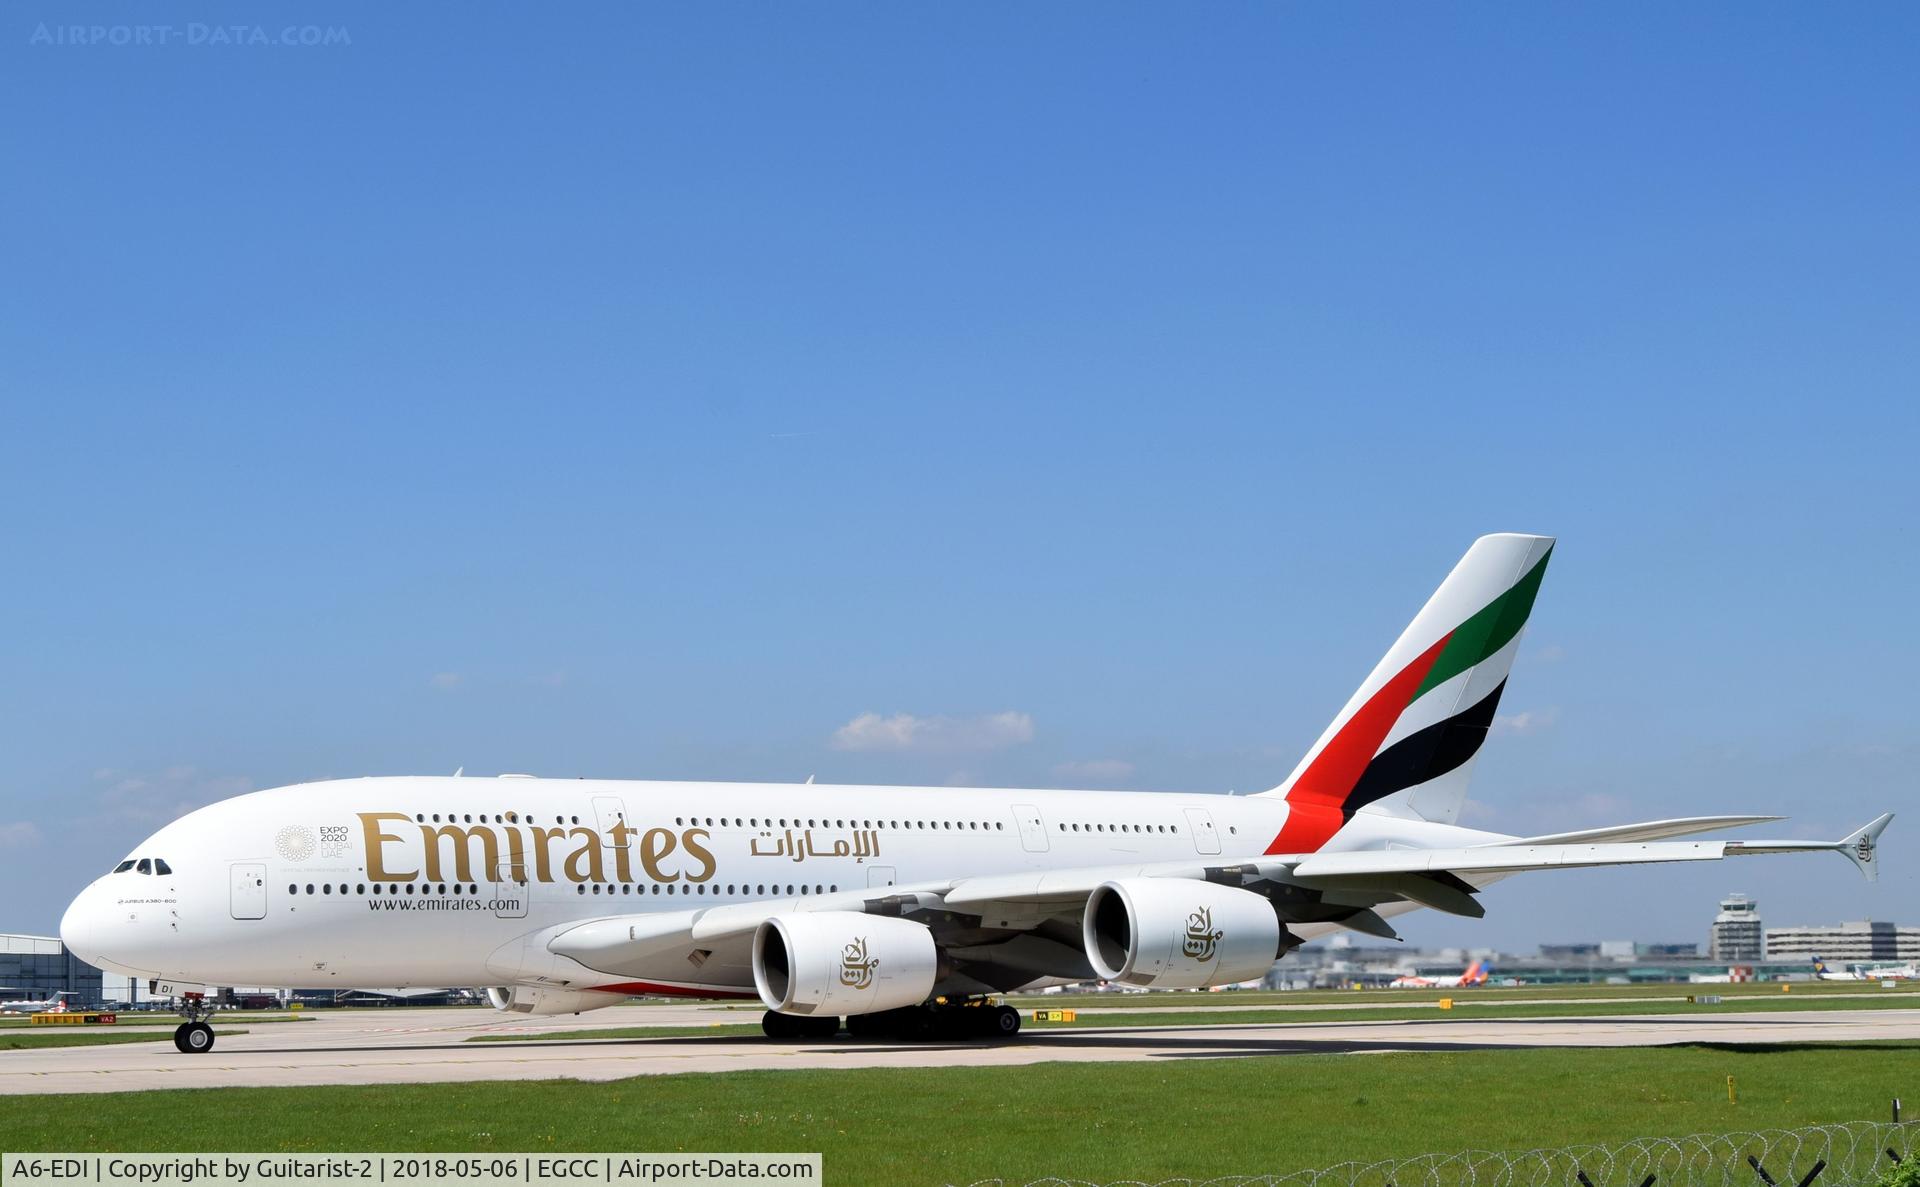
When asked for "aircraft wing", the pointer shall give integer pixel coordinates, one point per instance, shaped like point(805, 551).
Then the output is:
point(1005, 930)
point(1650, 830)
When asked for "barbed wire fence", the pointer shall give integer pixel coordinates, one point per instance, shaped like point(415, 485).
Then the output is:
point(1853, 1154)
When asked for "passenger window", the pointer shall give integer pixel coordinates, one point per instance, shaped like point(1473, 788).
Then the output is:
point(160, 866)
point(145, 866)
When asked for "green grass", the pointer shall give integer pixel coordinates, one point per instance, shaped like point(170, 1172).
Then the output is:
point(156, 1018)
point(1462, 1012)
point(1182, 1012)
point(1147, 1120)
point(87, 1036)
point(1381, 997)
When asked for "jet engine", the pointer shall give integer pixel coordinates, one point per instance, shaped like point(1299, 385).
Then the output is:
point(541, 1000)
point(843, 962)
point(1179, 933)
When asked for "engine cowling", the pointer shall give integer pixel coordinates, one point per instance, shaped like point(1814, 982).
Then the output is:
point(542, 1001)
point(843, 962)
point(1178, 933)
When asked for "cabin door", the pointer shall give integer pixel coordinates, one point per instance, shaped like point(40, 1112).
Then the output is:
point(249, 899)
point(1206, 838)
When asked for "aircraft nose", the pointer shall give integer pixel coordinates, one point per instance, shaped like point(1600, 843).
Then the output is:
point(80, 927)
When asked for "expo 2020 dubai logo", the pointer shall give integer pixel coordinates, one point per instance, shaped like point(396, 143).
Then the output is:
point(295, 842)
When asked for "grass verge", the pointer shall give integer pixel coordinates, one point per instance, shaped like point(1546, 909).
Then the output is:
point(90, 1036)
point(1145, 1120)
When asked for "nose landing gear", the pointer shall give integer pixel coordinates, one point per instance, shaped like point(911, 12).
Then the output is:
point(194, 1036)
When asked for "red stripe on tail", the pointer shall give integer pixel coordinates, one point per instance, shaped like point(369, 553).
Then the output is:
point(1314, 802)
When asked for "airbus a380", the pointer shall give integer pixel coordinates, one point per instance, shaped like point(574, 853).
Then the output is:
point(887, 909)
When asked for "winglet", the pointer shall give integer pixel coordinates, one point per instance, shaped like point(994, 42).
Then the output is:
point(1862, 846)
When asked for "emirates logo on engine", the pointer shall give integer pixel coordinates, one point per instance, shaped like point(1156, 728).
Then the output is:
point(1202, 937)
point(856, 967)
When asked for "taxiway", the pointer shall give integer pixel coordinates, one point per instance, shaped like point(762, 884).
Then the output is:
point(426, 1046)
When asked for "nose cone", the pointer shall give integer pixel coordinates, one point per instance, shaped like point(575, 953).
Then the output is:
point(80, 927)
point(106, 934)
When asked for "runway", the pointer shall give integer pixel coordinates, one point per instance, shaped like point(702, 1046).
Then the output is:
point(427, 1046)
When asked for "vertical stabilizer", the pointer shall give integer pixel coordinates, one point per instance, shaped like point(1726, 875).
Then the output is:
point(1406, 742)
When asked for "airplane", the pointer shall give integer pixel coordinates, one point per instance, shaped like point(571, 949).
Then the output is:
point(1475, 974)
point(55, 1004)
point(902, 911)
point(1862, 972)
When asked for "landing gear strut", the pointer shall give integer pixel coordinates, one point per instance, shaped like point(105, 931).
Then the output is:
point(194, 1036)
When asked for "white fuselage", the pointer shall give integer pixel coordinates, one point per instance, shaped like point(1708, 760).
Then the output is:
point(450, 881)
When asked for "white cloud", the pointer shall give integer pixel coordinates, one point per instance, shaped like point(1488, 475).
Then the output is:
point(1547, 653)
point(1099, 770)
point(1598, 804)
point(1527, 721)
point(906, 732)
point(446, 681)
point(149, 800)
point(19, 834)
point(1475, 810)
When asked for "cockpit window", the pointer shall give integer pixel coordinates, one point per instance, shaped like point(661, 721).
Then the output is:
point(124, 866)
point(160, 866)
point(145, 866)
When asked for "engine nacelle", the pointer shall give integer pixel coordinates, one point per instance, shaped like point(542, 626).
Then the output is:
point(541, 1000)
point(843, 962)
point(1179, 933)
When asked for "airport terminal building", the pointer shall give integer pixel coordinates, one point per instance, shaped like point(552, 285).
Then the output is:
point(41, 966)
point(1867, 940)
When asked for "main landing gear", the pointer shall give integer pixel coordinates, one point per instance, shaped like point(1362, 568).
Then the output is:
point(941, 1020)
point(194, 1036)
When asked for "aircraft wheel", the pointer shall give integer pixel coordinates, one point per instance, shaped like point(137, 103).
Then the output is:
point(776, 1025)
point(195, 1038)
point(820, 1028)
point(180, 1039)
point(869, 1026)
point(1005, 1022)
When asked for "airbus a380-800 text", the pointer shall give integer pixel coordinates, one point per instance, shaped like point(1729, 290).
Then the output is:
point(884, 909)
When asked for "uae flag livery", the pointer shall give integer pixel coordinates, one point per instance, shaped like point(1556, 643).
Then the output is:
point(1406, 741)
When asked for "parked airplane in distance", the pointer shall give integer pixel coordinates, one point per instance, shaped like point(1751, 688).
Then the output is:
point(1475, 974)
point(55, 1004)
point(1864, 972)
point(898, 910)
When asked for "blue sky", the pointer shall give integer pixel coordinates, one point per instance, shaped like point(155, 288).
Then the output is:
point(653, 391)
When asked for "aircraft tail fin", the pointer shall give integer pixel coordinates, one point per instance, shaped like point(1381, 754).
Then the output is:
point(1406, 741)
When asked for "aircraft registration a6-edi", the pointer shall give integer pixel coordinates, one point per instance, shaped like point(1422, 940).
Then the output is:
point(891, 910)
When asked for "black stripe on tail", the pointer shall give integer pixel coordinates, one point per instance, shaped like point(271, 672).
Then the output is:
point(1425, 754)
